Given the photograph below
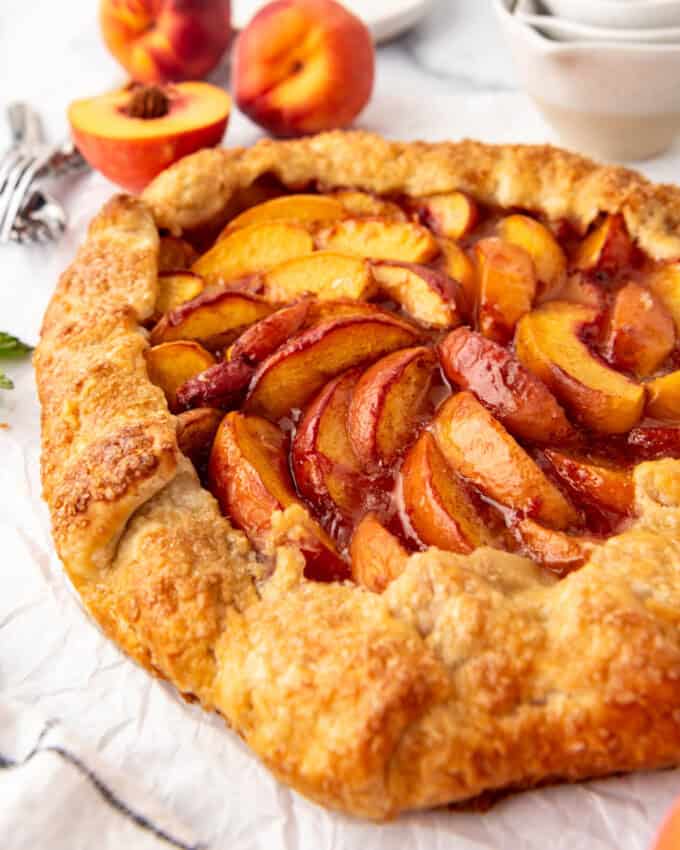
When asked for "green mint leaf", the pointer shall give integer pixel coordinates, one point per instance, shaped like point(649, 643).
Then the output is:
point(5, 383)
point(10, 346)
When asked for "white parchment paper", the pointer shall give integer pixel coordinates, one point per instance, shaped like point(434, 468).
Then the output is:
point(177, 769)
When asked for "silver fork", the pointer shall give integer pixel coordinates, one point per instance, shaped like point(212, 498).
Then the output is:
point(14, 192)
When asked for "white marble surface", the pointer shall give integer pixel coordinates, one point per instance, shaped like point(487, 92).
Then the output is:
point(449, 78)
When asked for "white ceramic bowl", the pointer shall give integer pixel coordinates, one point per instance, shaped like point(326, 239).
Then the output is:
point(614, 101)
point(618, 14)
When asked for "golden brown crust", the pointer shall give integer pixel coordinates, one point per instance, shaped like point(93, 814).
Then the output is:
point(468, 673)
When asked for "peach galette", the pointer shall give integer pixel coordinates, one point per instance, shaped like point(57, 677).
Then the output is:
point(371, 446)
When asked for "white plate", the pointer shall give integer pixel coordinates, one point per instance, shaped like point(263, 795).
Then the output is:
point(384, 18)
point(564, 30)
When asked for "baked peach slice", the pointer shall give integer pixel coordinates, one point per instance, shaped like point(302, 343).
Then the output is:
point(248, 475)
point(380, 239)
point(175, 288)
point(549, 343)
point(221, 386)
point(175, 254)
point(514, 395)
point(251, 249)
point(427, 295)
point(597, 482)
point(387, 404)
point(507, 286)
point(436, 501)
point(579, 289)
point(302, 209)
point(325, 467)
point(264, 337)
point(561, 553)
point(296, 372)
point(550, 263)
point(665, 284)
point(215, 318)
point(640, 333)
point(451, 214)
point(326, 274)
point(378, 558)
point(364, 205)
point(458, 266)
point(663, 397)
point(608, 248)
point(196, 430)
point(478, 447)
point(653, 442)
point(171, 364)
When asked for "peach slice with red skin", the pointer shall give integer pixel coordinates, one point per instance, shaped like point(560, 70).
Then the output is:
point(598, 482)
point(561, 553)
point(321, 310)
point(550, 263)
point(641, 333)
point(131, 149)
point(363, 205)
point(326, 470)
point(388, 403)
point(296, 209)
point(608, 248)
point(264, 337)
point(303, 66)
point(221, 386)
point(215, 318)
point(549, 343)
point(478, 447)
point(380, 239)
point(248, 475)
point(158, 40)
point(326, 274)
point(175, 254)
point(378, 558)
point(653, 442)
point(452, 214)
point(427, 295)
point(507, 286)
point(196, 430)
point(436, 502)
point(514, 395)
point(171, 364)
point(298, 370)
point(251, 249)
point(459, 267)
point(175, 288)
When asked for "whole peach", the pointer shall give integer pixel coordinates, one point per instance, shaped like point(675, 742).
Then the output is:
point(302, 66)
point(163, 40)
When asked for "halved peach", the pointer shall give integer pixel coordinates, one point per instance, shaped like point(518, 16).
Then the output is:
point(215, 318)
point(512, 393)
point(248, 475)
point(598, 482)
point(363, 205)
point(134, 133)
point(175, 288)
point(171, 364)
point(507, 286)
point(292, 208)
point(427, 295)
point(665, 284)
point(175, 254)
point(561, 553)
point(251, 249)
point(458, 266)
point(380, 239)
point(298, 370)
point(326, 274)
point(451, 214)
point(196, 431)
point(221, 386)
point(549, 343)
point(326, 469)
point(663, 397)
point(608, 248)
point(550, 263)
point(478, 447)
point(265, 336)
point(641, 333)
point(436, 501)
point(378, 558)
point(388, 403)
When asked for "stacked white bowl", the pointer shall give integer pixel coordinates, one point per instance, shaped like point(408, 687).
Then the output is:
point(605, 73)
